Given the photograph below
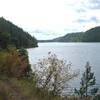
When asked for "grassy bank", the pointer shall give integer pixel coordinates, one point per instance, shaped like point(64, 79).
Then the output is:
point(24, 89)
point(18, 82)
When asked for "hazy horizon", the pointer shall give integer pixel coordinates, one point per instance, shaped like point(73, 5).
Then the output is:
point(48, 19)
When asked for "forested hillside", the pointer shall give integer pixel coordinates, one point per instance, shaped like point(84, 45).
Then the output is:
point(12, 34)
point(91, 35)
point(72, 37)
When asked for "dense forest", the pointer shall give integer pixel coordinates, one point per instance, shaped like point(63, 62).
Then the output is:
point(12, 34)
point(72, 37)
point(91, 35)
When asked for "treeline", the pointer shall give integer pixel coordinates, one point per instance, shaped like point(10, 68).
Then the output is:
point(72, 37)
point(12, 34)
point(92, 35)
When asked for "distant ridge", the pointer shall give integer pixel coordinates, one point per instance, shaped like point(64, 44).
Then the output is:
point(91, 35)
point(18, 36)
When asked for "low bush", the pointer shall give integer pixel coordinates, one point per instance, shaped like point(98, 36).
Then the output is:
point(12, 64)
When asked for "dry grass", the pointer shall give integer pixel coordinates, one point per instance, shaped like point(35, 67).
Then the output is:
point(24, 89)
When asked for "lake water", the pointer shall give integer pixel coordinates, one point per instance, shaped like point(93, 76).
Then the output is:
point(76, 53)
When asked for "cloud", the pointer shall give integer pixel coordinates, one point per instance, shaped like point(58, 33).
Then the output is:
point(46, 36)
point(36, 31)
point(87, 12)
point(95, 19)
point(52, 18)
point(80, 10)
point(92, 19)
point(86, 5)
point(94, 4)
point(90, 4)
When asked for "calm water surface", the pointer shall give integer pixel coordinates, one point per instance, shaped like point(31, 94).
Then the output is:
point(76, 53)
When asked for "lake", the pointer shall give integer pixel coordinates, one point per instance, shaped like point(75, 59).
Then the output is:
point(76, 53)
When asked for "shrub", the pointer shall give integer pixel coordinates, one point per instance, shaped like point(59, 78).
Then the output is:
point(52, 74)
point(28, 71)
point(12, 65)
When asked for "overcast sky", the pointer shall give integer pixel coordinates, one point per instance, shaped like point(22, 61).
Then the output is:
point(46, 19)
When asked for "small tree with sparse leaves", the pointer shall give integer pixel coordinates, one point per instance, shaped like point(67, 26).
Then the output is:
point(52, 74)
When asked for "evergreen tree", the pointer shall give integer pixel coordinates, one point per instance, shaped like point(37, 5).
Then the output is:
point(4, 40)
point(17, 35)
point(87, 82)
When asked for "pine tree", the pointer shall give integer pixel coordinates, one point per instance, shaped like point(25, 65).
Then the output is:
point(87, 82)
